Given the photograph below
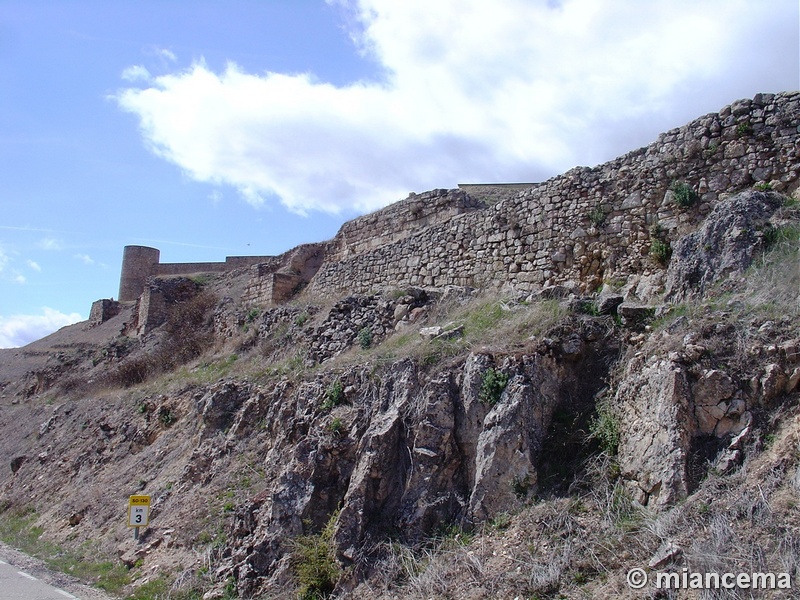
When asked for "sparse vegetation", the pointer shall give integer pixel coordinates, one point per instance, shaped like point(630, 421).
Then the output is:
point(365, 338)
point(315, 564)
point(336, 426)
point(744, 129)
point(18, 529)
point(683, 194)
point(493, 383)
point(597, 216)
point(334, 395)
point(661, 251)
point(604, 428)
point(165, 416)
point(787, 233)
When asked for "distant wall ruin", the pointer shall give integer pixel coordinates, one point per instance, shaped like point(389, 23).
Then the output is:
point(139, 263)
point(588, 225)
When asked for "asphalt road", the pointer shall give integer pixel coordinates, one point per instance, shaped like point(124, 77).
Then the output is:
point(19, 585)
point(23, 577)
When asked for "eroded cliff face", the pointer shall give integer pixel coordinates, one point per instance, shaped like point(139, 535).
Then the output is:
point(404, 450)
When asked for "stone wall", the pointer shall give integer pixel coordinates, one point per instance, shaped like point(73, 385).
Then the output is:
point(267, 288)
point(140, 263)
point(587, 225)
point(399, 221)
point(103, 310)
point(491, 193)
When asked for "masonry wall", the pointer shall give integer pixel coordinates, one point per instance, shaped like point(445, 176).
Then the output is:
point(589, 224)
point(400, 220)
point(491, 193)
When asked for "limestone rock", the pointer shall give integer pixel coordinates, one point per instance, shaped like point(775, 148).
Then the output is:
point(655, 435)
point(218, 406)
point(607, 304)
point(666, 553)
point(634, 315)
point(773, 383)
point(726, 243)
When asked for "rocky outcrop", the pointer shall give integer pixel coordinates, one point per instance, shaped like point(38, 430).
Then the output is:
point(655, 431)
point(725, 244)
point(406, 452)
point(679, 412)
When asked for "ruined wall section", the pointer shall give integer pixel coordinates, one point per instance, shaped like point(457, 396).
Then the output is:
point(400, 220)
point(492, 193)
point(231, 262)
point(277, 281)
point(589, 224)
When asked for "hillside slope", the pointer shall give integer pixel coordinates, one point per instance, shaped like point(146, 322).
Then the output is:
point(439, 441)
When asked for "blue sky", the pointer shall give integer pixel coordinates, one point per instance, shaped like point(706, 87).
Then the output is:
point(209, 129)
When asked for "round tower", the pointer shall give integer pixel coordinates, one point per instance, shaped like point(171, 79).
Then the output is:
point(138, 263)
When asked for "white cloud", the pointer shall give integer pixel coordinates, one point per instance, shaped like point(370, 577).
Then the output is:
point(84, 258)
point(216, 197)
point(19, 330)
point(136, 73)
point(20, 278)
point(33, 265)
point(166, 54)
point(512, 90)
point(51, 244)
point(4, 259)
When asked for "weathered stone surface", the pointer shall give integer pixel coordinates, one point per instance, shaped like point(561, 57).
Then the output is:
point(712, 387)
point(655, 434)
point(773, 383)
point(635, 196)
point(725, 243)
point(607, 304)
point(635, 314)
point(16, 463)
point(218, 406)
point(666, 553)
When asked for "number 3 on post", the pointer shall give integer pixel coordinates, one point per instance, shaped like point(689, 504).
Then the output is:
point(138, 511)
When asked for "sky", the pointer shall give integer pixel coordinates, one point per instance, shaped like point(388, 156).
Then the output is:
point(246, 127)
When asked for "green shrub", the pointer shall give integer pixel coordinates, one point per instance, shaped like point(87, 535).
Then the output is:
point(501, 521)
point(166, 417)
point(493, 383)
point(597, 216)
point(365, 338)
point(314, 562)
point(763, 186)
point(661, 251)
point(336, 427)
point(334, 395)
point(744, 129)
point(604, 428)
point(683, 194)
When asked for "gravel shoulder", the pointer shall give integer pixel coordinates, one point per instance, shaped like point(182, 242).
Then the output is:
point(38, 569)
